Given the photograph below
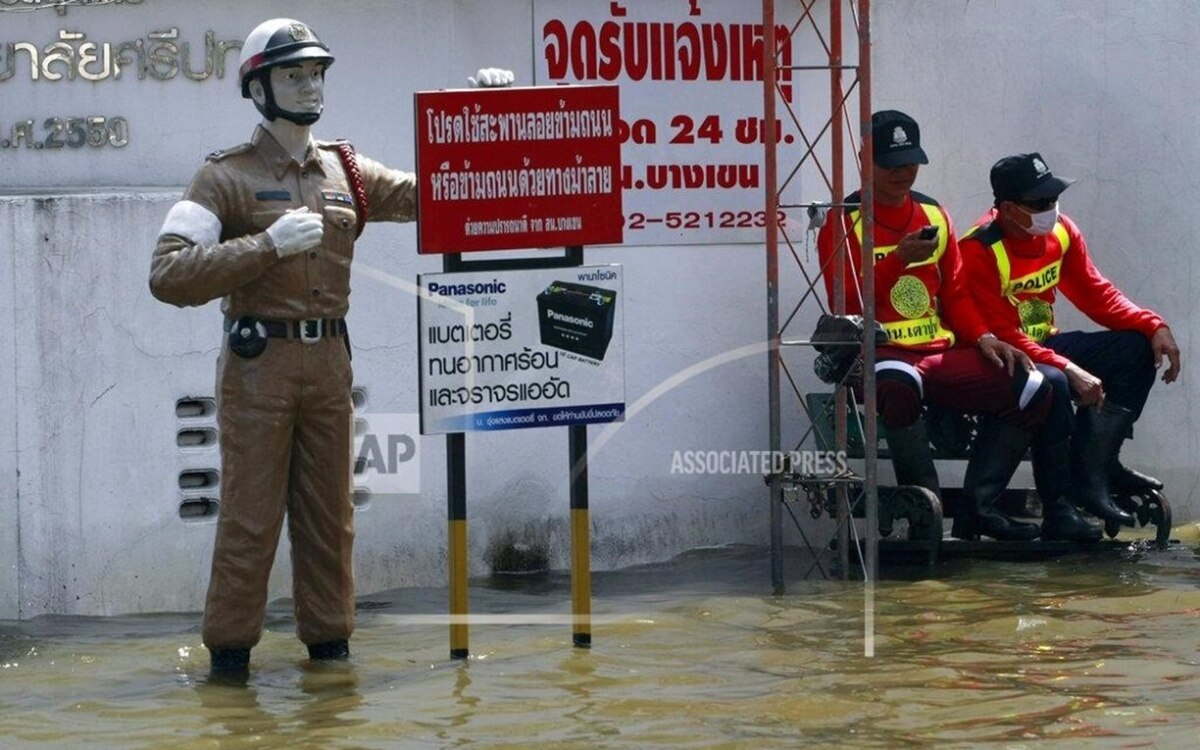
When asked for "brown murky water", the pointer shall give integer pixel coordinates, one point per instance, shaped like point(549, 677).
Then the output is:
point(1086, 651)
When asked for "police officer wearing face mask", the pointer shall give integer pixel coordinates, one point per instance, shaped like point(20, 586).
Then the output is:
point(1016, 259)
point(269, 228)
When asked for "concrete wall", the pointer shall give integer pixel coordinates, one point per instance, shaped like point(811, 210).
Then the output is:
point(10, 529)
point(1101, 90)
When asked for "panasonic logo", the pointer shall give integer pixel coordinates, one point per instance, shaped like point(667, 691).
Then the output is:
point(495, 286)
point(559, 317)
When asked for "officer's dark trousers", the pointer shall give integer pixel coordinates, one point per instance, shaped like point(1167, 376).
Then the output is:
point(286, 429)
point(1123, 360)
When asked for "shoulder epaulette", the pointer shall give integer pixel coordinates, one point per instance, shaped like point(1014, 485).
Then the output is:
point(922, 198)
point(331, 145)
point(226, 153)
point(986, 234)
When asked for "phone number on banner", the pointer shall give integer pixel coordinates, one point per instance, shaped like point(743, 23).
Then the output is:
point(704, 220)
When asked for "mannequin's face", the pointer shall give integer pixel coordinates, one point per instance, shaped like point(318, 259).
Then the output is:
point(299, 88)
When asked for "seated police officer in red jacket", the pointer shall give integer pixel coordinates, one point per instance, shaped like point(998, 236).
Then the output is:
point(1016, 260)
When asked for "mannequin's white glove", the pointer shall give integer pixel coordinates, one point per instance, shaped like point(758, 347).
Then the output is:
point(491, 78)
point(296, 231)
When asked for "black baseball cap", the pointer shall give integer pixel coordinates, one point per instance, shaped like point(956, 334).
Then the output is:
point(896, 140)
point(1026, 176)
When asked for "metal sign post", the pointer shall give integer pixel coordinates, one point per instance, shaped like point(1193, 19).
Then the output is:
point(456, 494)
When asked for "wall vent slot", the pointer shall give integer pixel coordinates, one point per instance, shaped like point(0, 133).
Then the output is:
point(195, 408)
point(198, 479)
point(201, 437)
point(199, 508)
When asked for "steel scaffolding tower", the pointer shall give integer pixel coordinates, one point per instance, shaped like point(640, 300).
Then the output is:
point(824, 153)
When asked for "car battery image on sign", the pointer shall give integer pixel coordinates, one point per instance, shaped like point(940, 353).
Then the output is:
point(577, 318)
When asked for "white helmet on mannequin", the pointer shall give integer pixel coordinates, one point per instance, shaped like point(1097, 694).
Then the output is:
point(279, 41)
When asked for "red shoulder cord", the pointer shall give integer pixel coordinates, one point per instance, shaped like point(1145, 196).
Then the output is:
point(354, 175)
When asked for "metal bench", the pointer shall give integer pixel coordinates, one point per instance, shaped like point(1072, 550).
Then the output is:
point(951, 438)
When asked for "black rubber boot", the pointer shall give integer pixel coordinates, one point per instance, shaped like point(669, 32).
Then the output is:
point(999, 449)
point(229, 665)
point(1125, 481)
point(912, 458)
point(329, 651)
point(1061, 521)
point(1094, 447)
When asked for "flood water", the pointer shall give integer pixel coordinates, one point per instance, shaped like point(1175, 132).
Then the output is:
point(1084, 651)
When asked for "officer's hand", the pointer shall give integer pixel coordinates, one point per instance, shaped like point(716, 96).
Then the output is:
point(491, 78)
point(913, 249)
point(1163, 342)
point(296, 231)
point(1002, 354)
point(1085, 385)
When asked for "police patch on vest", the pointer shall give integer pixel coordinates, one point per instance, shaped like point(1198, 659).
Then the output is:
point(1036, 282)
point(272, 195)
point(910, 297)
point(336, 197)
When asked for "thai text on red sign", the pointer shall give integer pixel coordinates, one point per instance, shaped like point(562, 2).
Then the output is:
point(518, 168)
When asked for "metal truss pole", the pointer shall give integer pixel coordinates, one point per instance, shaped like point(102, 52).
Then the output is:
point(772, 237)
point(835, 184)
point(870, 438)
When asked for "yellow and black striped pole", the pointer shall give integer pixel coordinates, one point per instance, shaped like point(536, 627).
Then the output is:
point(456, 513)
point(581, 551)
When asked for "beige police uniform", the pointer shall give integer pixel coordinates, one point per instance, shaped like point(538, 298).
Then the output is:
point(285, 417)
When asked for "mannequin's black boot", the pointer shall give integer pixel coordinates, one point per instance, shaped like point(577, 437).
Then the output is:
point(229, 665)
point(329, 651)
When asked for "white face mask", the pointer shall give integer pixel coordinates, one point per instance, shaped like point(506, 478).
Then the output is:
point(1042, 222)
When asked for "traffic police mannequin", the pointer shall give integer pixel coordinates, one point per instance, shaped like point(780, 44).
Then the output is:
point(1017, 257)
point(269, 227)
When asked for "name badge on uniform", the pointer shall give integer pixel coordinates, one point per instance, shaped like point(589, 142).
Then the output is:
point(272, 195)
point(336, 197)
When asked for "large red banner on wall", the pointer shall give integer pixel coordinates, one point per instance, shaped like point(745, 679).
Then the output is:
point(518, 168)
point(693, 133)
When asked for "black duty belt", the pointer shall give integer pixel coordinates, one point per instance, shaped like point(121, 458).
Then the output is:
point(310, 331)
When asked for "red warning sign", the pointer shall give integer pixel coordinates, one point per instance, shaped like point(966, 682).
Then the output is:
point(518, 168)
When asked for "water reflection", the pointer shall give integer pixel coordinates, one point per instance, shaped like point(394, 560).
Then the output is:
point(324, 706)
point(1088, 651)
point(234, 711)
